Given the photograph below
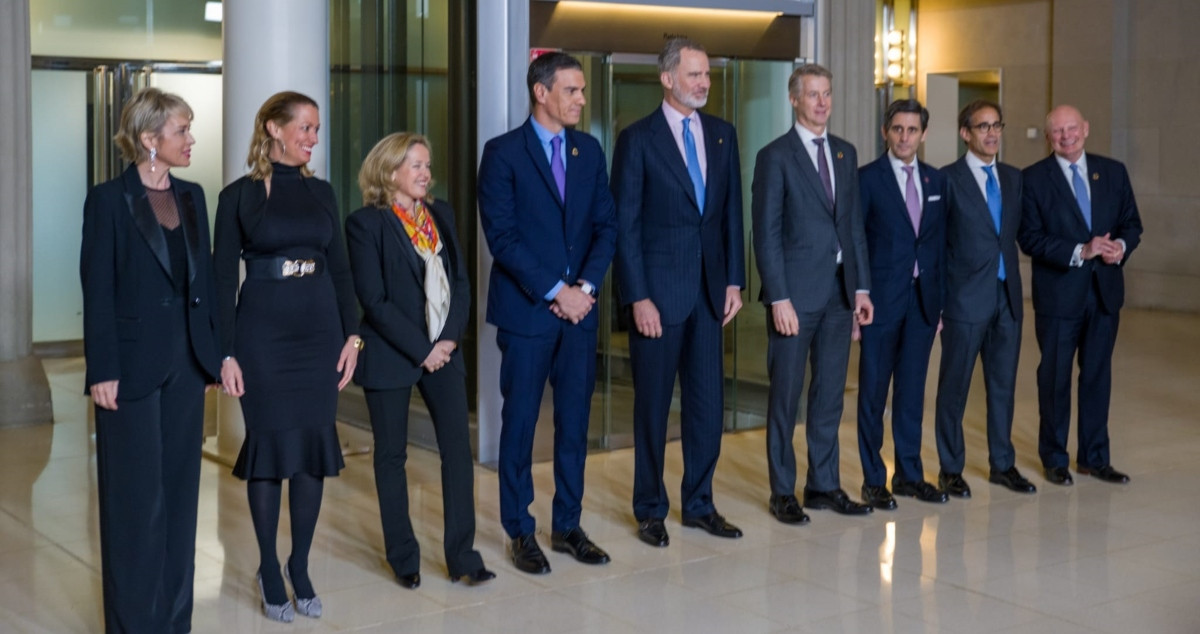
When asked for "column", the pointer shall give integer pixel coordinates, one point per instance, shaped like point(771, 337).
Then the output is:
point(503, 100)
point(845, 44)
point(24, 391)
point(269, 46)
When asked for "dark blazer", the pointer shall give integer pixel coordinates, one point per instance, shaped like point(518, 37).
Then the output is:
point(240, 207)
point(664, 244)
point(535, 239)
point(973, 248)
point(1052, 224)
point(389, 278)
point(127, 289)
point(893, 246)
point(796, 232)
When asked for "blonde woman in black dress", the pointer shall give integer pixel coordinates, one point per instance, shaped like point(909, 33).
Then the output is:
point(290, 341)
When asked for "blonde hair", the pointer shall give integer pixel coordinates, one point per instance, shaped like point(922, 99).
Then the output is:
point(146, 111)
point(375, 175)
point(280, 108)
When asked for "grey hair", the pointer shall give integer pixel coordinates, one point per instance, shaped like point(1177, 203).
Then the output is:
point(668, 59)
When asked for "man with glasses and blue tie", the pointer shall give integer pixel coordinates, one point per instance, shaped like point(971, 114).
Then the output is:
point(680, 268)
point(983, 306)
point(1080, 222)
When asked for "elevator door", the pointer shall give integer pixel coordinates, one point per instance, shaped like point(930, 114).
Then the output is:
point(752, 94)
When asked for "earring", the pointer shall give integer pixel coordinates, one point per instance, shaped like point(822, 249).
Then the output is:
point(153, 155)
point(283, 146)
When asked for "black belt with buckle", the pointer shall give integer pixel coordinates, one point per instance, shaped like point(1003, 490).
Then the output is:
point(282, 268)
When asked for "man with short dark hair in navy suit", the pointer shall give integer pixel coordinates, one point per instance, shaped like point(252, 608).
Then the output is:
point(1080, 223)
point(904, 215)
point(678, 188)
point(984, 307)
point(549, 222)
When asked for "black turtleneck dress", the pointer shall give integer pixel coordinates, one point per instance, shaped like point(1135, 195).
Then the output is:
point(285, 332)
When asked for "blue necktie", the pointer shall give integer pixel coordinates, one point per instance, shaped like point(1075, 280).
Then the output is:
point(1081, 195)
point(693, 163)
point(556, 166)
point(993, 203)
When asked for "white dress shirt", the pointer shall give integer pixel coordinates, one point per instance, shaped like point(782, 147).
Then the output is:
point(675, 122)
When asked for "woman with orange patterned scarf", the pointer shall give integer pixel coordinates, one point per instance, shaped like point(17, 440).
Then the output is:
point(411, 280)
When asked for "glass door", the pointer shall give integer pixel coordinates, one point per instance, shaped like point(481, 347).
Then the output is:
point(752, 94)
point(76, 109)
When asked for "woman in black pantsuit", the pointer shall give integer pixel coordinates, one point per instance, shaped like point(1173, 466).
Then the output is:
point(411, 280)
point(289, 341)
point(150, 343)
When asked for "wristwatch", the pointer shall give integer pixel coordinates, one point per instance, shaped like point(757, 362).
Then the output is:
point(587, 287)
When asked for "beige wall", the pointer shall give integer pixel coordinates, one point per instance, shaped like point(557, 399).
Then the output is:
point(1131, 68)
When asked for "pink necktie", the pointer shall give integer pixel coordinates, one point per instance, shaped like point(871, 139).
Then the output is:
point(913, 201)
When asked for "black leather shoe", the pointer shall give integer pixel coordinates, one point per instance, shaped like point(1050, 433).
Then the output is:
point(475, 578)
point(878, 498)
point(653, 532)
point(1012, 479)
point(786, 508)
point(1105, 473)
point(576, 542)
point(921, 490)
point(953, 484)
point(527, 556)
point(835, 500)
point(1059, 475)
point(412, 582)
point(714, 524)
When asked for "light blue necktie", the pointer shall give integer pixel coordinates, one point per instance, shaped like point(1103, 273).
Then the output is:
point(993, 203)
point(693, 163)
point(1081, 195)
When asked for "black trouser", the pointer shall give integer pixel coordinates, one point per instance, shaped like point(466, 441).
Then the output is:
point(445, 395)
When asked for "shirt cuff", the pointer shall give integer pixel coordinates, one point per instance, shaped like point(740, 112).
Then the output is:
point(554, 291)
point(1077, 256)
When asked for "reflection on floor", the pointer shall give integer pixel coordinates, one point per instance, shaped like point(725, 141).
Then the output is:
point(1089, 558)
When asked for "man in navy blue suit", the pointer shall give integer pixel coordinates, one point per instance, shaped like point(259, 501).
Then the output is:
point(904, 214)
point(1079, 223)
point(984, 308)
point(549, 222)
point(678, 189)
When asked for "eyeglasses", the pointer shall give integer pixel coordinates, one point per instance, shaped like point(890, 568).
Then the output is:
point(985, 127)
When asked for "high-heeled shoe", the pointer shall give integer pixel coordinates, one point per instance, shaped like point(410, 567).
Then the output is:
point(476, 577)
point(281, 612)
point(310, 607)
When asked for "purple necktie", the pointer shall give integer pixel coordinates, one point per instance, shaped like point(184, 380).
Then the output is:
point(557, 168)
point(823, 169)
point(913, 201)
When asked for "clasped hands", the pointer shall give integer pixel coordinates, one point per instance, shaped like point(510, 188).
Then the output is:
point(1104, 247)
point(572, 304)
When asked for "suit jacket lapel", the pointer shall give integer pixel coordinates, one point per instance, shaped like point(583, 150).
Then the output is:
point(668, 151)
point(144, 219)
point(187, 218)
point(923, 174)
point(808, 171)
point(965, 180)
point(1066, 189)
point(843, 174)
point(537, 156)
point(714, 154)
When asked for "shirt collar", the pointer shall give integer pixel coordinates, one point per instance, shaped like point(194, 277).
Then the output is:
point(807, 136)
point(974, 162)
point(897, 164)
point(1066, 165)
point(545, 135)
point(675, 118)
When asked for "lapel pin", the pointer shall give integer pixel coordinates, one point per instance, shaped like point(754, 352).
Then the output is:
point(839, 156)
point(1095, 176)
point(925, 180)
point(574, 151)
point(720, 141)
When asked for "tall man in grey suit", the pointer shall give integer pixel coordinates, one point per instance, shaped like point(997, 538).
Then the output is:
point(812, 255)
point(678, 189)
point(1080, 224)
point(983, 310)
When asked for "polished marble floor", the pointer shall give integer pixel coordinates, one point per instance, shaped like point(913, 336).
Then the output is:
point(1089, 558)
